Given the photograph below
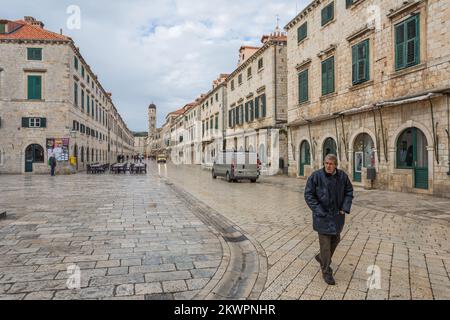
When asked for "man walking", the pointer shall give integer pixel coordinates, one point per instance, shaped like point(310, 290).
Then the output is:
point(329, 194)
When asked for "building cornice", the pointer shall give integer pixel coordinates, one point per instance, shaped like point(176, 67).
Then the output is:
point(254, 56)
point(303, 14)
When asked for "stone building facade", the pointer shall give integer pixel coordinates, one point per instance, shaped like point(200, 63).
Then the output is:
point(369, 80)
point(256, 112)
point(192, 134)
point(52, 103)
point(212, 114)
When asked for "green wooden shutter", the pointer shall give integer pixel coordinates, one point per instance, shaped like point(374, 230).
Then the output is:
point(302, 32)
point(246, 112)
point(252, 112)
point(263, 105)
point(25, 122)
point(400, 52)
point(303, 86)
point(324, 78)
point(348, 3)
point(256, 104)
point(412, 41)
point(34, 87)
point(34, 54)
point(43, 122)
point(355, 64)
point(331, 75)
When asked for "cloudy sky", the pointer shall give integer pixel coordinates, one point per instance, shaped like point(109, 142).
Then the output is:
point(162, 51)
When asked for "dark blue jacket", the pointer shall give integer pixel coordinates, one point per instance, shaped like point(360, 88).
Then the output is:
point(327, 195)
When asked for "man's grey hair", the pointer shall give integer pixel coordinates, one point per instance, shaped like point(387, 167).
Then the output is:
point(332, 157)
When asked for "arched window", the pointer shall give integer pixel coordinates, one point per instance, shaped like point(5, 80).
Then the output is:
point(305, 157)
point(35, 153)
point(412, 149)
point(363, 156)
point(329, 147)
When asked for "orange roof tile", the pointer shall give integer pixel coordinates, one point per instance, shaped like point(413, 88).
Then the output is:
point(27, 31)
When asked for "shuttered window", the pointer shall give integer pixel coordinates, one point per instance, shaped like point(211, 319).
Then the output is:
point(328, 76)
point(407, 43)
point(34, 122)
point(246, 112)
point(75, 62)
point(34, 87)
point(34, 54)
point(302, 32)
point(360, 62)
point(82, 100)
point(328, 13)
point(303, 86)
point(348, 3)
point(75, 93)
point(263, 105)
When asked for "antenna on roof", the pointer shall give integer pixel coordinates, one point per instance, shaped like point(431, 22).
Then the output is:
point(60, 31)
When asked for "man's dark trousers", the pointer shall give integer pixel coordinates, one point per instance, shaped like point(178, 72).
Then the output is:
point(328, 245)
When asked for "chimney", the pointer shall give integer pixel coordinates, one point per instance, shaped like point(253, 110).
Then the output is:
point(33, 22)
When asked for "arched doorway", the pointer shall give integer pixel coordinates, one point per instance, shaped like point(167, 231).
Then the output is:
point(305, 157)
point(329, 147)
point(412, 154)
point(363, 155)
point(34, 153)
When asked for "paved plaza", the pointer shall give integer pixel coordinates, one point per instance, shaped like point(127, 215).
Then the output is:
point(186, 236)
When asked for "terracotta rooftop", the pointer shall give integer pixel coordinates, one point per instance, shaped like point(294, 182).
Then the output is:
point(29, 30)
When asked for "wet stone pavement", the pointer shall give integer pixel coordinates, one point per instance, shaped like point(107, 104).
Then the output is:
point(187, 236)
point(131, 236)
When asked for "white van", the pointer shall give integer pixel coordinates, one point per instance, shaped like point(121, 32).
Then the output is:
point(236, 165)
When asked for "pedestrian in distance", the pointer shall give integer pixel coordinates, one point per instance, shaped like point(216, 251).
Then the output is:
point(52, 163)
point(329, 194)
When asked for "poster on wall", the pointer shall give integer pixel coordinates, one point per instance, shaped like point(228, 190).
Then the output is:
point(59, 148)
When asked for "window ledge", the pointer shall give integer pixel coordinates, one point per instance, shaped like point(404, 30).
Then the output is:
point(362, 85)
point(355, 4)
point(328, 23)
point(302, 104)
point(408, 70)
point(302, 41)
point(260, 70)
point(328, 96)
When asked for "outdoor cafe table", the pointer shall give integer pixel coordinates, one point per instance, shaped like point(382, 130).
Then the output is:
point(117, 167)
point(139, 167)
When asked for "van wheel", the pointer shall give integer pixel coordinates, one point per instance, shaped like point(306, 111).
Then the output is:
point(228, 177)
point(253, 181)
point(214, 175)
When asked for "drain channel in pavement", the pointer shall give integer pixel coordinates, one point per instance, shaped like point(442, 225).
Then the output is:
point(243, 271)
